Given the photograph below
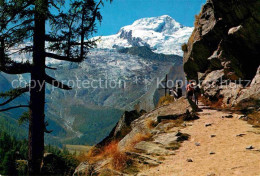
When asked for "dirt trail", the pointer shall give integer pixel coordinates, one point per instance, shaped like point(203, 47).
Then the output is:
point(231, 156)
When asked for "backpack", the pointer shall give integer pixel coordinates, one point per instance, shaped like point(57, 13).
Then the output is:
point(189, 88)
point(197, 89)
point(179, 92)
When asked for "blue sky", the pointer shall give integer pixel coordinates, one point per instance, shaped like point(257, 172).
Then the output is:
point(124, 12)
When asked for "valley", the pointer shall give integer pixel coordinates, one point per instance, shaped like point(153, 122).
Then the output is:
point(108, 82)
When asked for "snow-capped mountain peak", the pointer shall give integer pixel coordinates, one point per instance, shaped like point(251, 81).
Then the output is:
point(162, 24)
point(162, 34)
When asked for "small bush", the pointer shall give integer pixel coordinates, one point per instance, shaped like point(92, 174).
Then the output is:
point(197, 18)
point(197, 26)
point(111, 148)
point(119, 160)
point(151, 123)
point(182, 137)
point(165, 100)
point(161, 158)
point(184, 47)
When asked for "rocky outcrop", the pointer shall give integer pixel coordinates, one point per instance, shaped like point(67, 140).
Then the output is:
point(122, 128)
point(144, 139)
point(224, 48)
point(178, 109)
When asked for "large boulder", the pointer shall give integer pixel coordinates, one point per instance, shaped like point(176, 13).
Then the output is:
point(226, 36)
point(225, 44)
point(250, 97)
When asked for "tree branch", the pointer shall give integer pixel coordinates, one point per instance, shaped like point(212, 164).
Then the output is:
point(51, 68)
point(16, 68)
point(94, 17)
point(45, 128)
point(63, 58)
point(13, 94)
point(56, 83)
point(54, 39)
point(14, 107)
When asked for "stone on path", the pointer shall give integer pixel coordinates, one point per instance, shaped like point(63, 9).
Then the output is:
point(241, 135)
point(197, 144)
point(250, 147)
point(189, 160)
point(212, 153)
point(208, 124)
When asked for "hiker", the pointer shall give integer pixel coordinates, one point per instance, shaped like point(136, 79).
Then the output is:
point(173, 92)
point(179, 91)
point(196, 94)
point(190, 90)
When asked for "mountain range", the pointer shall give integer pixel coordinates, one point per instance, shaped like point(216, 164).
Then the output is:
point(139, 56)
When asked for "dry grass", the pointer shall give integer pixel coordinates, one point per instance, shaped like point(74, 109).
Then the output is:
point(184, 47)
point(213, 104)
point(119, 159)
point(151, 123)
point(90, 155)
point(197, 18)
point(136, 139)
point(82, 156)
point(196, 26)
point(78, 149)
point(161, 158)
point(254, 119)
point(165, 100)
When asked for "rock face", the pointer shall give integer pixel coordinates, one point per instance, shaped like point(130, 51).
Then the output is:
point(225, 46)
point(122, 127)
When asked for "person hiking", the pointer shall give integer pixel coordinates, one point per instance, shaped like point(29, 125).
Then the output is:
point(190, 90)
point(197, 94)
point(173, 92)
point(179, 91)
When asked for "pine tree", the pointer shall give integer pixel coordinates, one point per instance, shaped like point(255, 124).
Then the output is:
point(9, 165)
point(24, 22)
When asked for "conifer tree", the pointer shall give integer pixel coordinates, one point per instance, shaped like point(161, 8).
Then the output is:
point(23, 25)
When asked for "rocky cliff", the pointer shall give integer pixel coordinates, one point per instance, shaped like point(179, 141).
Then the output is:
point(224, 49)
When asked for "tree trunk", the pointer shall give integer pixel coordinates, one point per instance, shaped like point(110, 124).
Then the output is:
point(37, 92)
